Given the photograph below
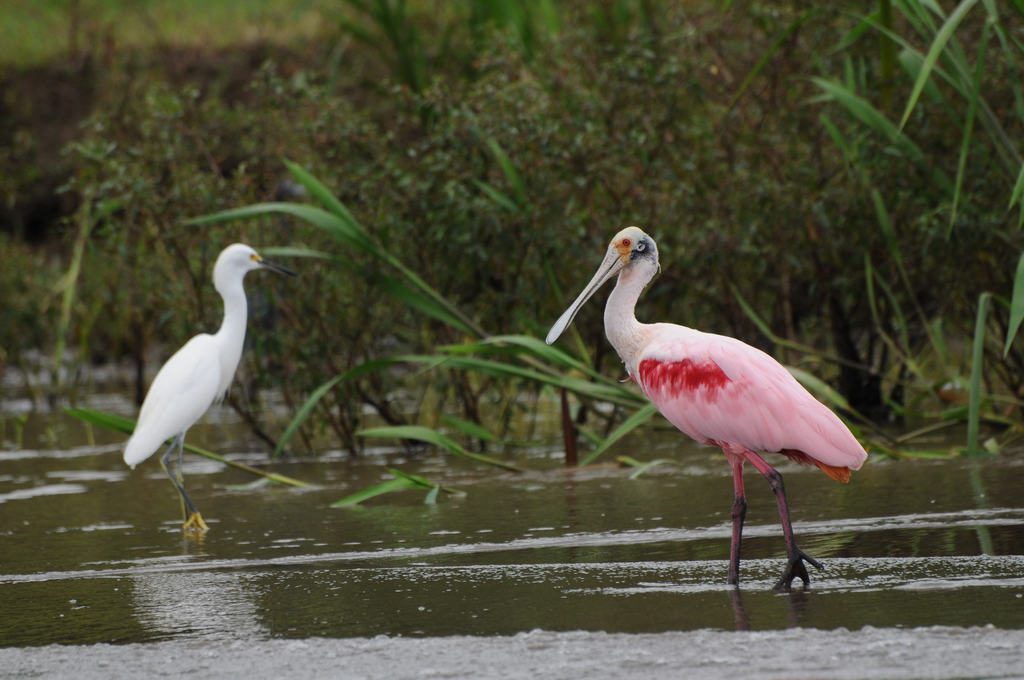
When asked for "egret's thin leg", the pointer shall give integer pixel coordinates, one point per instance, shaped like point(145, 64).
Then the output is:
point(192, 519)
point(180, 439)
point(167, 463)
point(795, 567)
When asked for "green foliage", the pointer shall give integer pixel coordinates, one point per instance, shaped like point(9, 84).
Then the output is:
point(947, 95)
point(454, 173)
point(29, 307)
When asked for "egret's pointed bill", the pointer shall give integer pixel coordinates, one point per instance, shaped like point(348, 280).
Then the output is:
point(274, 267)
point(613, 262)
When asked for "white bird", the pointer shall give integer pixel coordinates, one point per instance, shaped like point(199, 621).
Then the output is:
point(196, 376)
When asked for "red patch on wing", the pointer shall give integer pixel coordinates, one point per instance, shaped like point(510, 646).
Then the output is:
point(683, 376)
point(840, 474)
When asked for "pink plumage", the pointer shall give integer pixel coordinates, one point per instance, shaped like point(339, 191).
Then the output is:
point(719, 391)
point(724, 392)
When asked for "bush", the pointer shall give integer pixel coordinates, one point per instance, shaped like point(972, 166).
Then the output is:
point(501, 184)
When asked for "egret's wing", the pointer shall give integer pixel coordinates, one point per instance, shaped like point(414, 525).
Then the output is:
point(719, 389)
point(180, 394)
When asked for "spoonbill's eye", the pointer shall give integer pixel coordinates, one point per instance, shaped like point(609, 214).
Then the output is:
point(626, 242)
point(641, 247)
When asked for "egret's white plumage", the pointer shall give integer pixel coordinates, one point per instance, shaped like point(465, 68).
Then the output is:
point(199, 373)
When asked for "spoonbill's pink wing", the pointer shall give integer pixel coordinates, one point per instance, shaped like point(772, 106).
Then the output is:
point(719, 390)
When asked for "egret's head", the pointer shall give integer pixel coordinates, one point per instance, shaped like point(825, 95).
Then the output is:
point(630, 251)
point(236, 260)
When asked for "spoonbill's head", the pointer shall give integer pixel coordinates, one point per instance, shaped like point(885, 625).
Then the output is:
point(631, 248)
point(238, 259)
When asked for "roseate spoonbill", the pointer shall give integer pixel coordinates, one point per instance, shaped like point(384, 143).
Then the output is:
point(720, 391)
point(196, 376)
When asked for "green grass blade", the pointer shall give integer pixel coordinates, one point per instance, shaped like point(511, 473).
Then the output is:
point(304, 412)
point(819, 388)
point(418, 301)
point(911, 60)
point(296, 251)
point(127, 426)
point(531, 345)
point(321, 193)
point(341, 229)
point(401, 482)
point(512, 175)
point(1018, 190)
point(469, 428)
point(869, 116)
point(104, 420)
point(965, 137)
point(499, 198)
point(616, 394)
point(901, 351)
point(628, 425)
point(389, 486)
point(639, 466)
point(838, 138)
point(429, 436)
point(885, 223)
point(1016, 306)
point(414, 480)
point(937, 46)
point(316, 395)
point(977, 360)
point(864, 24)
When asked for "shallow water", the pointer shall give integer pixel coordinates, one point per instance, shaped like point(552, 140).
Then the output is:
point(549, 559)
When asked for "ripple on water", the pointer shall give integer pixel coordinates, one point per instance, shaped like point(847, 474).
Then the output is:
point(44, 490)
point(89, 475)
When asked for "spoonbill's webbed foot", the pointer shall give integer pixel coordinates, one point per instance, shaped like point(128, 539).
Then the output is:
point(796, 569)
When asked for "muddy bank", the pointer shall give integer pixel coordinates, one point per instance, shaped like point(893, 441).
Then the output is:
point(796, 653)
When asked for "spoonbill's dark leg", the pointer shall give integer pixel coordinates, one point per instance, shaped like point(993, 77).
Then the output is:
point(193, 521)
point(739, 513)
point(795, 567)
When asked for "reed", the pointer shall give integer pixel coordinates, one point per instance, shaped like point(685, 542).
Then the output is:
point(951, 82)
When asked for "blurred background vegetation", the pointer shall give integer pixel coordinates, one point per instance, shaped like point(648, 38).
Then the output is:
point(837, 183)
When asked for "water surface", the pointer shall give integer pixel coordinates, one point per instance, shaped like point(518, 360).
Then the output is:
point(549, 559)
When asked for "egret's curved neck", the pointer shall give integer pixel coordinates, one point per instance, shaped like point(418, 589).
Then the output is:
point(626, 334)
point(236, 310)
point(231, 336)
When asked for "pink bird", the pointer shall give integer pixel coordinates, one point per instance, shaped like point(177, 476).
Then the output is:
point(720, 391)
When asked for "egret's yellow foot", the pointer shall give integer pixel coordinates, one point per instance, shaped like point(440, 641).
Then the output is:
point(195, 524)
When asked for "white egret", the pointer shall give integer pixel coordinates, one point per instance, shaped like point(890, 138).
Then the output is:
point(196, 376)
